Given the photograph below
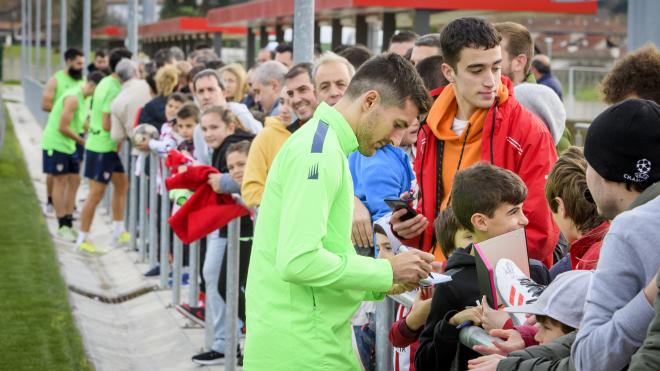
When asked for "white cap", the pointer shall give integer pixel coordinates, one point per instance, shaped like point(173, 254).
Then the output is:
point(563, 300)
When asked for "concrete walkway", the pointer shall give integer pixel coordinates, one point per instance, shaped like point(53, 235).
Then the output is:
point(143, 333)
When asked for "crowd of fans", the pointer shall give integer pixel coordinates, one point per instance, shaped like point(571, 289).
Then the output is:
point(491, 155)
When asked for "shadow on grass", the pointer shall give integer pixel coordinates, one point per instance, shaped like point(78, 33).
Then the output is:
point(38, 330)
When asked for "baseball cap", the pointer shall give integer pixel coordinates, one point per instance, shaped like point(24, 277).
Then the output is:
point(622, 142)
point(563, 300)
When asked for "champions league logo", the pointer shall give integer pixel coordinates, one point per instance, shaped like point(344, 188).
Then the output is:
point(643, 167)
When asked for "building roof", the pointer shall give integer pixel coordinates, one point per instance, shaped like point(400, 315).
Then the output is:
point(267, 11)
point(184, 25)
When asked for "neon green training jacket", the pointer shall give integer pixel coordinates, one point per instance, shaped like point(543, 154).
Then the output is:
point(305, 280)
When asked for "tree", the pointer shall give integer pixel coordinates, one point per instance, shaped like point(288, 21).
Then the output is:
point(75, 24)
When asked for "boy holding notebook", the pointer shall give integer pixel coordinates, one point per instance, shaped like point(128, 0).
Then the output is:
point(487, 201)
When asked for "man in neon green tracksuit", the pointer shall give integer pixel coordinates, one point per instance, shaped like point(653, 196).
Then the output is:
point(305, 279)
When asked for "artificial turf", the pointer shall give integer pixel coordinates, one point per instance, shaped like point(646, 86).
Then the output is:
point(37, 331)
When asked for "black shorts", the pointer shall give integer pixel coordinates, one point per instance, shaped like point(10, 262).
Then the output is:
point(58, 163)
point(100, 166)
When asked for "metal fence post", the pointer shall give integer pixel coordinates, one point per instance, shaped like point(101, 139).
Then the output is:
point(153, 210)
point(384, 319)
point(63, 24)
point(176, 272)
point(233, 261)
point(132, 28)
point(142, 230)
point(125, 158)
point(87, 31)
point(29, 41)
point(193, 275)
point(37, 40)
point(49, 37)
point(164, 229)
point(132, 203)
point(23, 37)
point(303, 31)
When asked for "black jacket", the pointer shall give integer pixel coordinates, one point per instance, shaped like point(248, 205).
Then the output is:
point(154, 112)
point(438, 342)
point(219, 159)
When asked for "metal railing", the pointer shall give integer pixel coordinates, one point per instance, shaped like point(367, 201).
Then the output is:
point(145, 214)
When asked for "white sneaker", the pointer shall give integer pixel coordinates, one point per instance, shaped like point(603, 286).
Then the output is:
point(514, 288)
point(67, 234)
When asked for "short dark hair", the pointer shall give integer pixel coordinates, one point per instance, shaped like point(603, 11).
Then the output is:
point(541, 319)
point(99, 53)
point(637, 73)
point(72, 53)
point(568, 181)
point(430, 70)
point(284, 48)
point(188, 110)
point(162, 57)
point(96, 76)
point(340, 48)
point(482, 188)
point(394, 78)
point(194, 71)
point(467, 32)
point(519, 40)
point(431, 39)
point(299, 69)
point(404, 37)
point(542, 67)
point(356, 54)
point(242, 147)
point(215, 64)
point(117, 55)
point(179, 97)
point(446, 226)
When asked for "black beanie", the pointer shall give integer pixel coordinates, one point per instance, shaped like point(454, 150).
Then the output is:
point(623, 143)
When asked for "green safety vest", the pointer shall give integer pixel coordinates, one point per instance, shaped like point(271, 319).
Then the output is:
point(52, 138)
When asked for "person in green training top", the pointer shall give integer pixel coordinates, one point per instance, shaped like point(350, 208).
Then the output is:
point(61, 81)
point(59, 150)
point(305, 279)
point(102, 163)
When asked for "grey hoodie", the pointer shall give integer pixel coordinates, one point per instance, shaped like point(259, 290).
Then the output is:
point(544, 103)
point(617, 314)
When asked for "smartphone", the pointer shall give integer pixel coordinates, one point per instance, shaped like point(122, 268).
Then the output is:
point(398, 204)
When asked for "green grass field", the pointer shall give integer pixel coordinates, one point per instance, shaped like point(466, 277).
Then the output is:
point(38, 331)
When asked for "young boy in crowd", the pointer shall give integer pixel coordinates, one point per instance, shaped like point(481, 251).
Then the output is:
point(558, 313)
point(168, 132)
point(487, 201)
point(404, 333)
point(576, 216)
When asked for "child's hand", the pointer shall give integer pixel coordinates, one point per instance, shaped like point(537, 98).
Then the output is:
point(491, 318)
point(512, 342)
point(182, 169)
point(485, 363)
point(470, 314)
point(420, 309)
point(214, 182)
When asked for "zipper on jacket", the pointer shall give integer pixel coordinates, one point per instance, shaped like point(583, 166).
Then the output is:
point(313, 299)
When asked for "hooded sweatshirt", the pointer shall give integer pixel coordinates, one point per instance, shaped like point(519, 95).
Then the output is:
point(544, 103)
point(511, 138)
point(460, 151)
point(438, 341)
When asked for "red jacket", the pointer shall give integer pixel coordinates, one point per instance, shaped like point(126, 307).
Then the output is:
point(206, 211)
point(520, 143)
point(584, 252)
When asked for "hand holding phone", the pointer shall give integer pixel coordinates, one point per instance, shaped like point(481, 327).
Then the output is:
point(398, 204)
